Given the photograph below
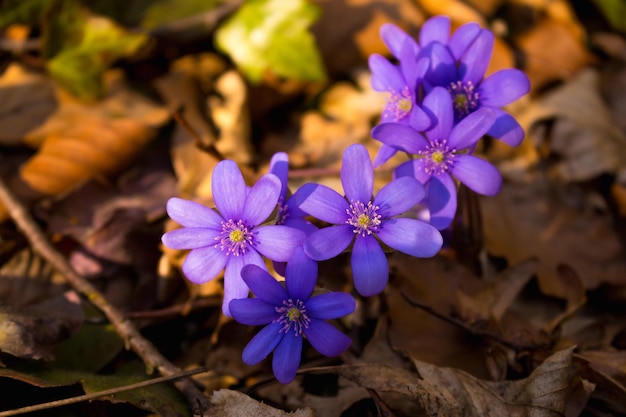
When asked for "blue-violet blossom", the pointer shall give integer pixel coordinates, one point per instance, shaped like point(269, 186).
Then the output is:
point(290, 313)
point(288, 213)
point(361, 219)
point(400, 81)
point(232, 236)
point(459, 63)
point(443, 151)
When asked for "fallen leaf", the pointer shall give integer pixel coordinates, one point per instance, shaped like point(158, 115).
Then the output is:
point(34, 330)
point(229, 403)
point(27, 100)
point(553, 52)
point(538, 220)
point(451, 392)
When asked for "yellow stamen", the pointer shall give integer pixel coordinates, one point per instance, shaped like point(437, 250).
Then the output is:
point(236, 236)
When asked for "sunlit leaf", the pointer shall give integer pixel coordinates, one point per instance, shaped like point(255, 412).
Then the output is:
point(614, 11)
point(165, 11)
point(79, 67)
point(272, 35)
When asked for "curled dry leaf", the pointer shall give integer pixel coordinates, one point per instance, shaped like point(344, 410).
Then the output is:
point(451, 392)
point(229, 403)
point(81, 142)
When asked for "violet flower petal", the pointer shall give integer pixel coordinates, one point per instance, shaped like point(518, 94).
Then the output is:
point(328, 242)
point(252, 311)
point(262, 200)
point(203, 264)
point(439, 102)
point(229, 189)
point(302, 275)
point(385, 152)
point(410, 236)
point(190, 238)
point(286, 358)
point(330, 305)
point(471, 128)
point(357, 174)
point(477, 174)
point(400, 136)
point(442, 200)
point(279, 166)
point(263, 285)
point(396, 39)
point(399, 196)
point(507, 129)
point(234, 285)
point(321, 202)
point(188, 213)
point(503, 87)
point(370, 268)
point(262, 344)
point(443, 69)
point(435, 29)
point(462, 38)
point(326, 339)
point(476, 59)
point(413, 168)
point(277, 242)
point(385, 75)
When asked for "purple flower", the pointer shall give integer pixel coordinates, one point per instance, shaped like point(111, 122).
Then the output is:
point(443, 151)
point(400, 82)
point(233, 236)
point(458, 63)
point(361, 219)
point(288, 213)
point(289, 313)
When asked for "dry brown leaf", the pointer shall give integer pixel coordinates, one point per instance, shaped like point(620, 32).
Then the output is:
point(27, 100)
point(33, 331)
point(94, 148)
point(345, 42)
point(458, 11)
point(540, 220)
point(608, 392)
point(554, 50)
point(433, 282)
point(451, 392)
point(229, 403)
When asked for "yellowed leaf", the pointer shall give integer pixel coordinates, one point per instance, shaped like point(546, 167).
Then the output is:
point(92, 149)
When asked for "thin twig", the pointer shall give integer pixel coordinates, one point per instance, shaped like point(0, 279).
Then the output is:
point(133, 339)
point(99, 394)
point(465, 326)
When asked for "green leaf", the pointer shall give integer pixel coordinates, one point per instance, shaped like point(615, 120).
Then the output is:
point(273, 35)
point(615, 12)
point(79, 67)
point(25, 12)
point(166, 11)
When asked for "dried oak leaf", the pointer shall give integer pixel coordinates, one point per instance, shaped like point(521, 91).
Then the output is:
point(229, 403)
point(82, 141)
point(451, 392)
point(544, 220)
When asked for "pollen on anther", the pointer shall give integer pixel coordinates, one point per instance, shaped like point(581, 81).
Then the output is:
point(364, 218)
point(293, 316)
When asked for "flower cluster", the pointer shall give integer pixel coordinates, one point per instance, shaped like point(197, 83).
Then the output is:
point(440, 105)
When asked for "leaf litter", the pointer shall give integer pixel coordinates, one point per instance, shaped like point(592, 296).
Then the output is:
point(533, 325)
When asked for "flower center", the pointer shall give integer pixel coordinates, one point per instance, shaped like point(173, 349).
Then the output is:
point(438, 157)
point(364, 218)
point(464, 98)
point(399, 104)
point(293, 316)
point(234, 237)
